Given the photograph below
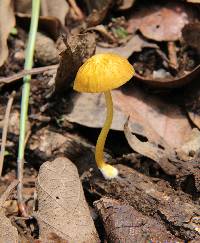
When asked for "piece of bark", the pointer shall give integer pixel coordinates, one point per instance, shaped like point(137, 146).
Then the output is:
point(62, 208)
point(177, 212)
point(123, 223)
point(78, 49)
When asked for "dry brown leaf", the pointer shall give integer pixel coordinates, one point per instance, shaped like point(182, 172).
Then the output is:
point(192, 103)
point(62, 208)
point(135, 44)
point(125, 4)
point(151, 116)
point(171, 82)
point(161, 22)
point(7, 22)
point(152, 151)
point(48, 8)
point(8, 233)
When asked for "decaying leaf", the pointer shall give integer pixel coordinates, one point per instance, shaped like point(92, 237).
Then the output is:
point(170, 82)
point(161, 22)
point(7, 22)
point(125, 4)
point(78, 49)
point(135, 44)
point(8, 233)
point(48, 8)
point(151, 116)
point(62, 208)
point(125, 224)
point(154, 198)
point(192, 103)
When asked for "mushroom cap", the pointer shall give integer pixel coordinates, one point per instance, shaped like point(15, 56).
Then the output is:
point(103, 72)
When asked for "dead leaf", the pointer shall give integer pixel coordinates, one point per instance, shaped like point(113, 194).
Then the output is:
point(97, 13)
point(170, 82)
point(48, 8)
point(161, 22)
point(135, 44)
point(192, 103)
point(125, 4)
point(151, 116)
point(125, 224)
point(62, 208)
point(7, 22)
point(181, 162)
point(152, 151)
point(8, 233)
point(79, 49)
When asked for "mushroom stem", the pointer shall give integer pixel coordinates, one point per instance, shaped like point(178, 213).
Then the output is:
point(107, 170)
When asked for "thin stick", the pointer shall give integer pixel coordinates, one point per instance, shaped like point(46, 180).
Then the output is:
point(172, 55)
point(21, 74)
point(5, 129)
point(25, 101)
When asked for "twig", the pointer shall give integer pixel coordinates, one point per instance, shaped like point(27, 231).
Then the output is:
point(172, 55)
point(8, 191)
point(5, 129)
point(76, 9)
point(21, 74)
point(25, 101)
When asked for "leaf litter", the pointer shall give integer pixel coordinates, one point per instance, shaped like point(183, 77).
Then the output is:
point(160, 186)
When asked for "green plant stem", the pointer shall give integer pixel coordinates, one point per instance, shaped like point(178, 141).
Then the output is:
point(25, 95)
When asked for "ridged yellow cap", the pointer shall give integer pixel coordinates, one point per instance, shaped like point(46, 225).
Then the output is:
point(103, 72)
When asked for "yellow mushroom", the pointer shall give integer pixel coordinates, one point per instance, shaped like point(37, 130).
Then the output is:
point(102, 73)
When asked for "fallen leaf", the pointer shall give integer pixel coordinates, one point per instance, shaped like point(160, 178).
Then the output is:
point(151, 116)
point(48, 8)
point(125, 224)
point(135, 44)
point(161, 22)
point(170, 82)
point(62, 208)
point(181, 162)
point(8, 233)
point(192, 103)
point(7, 22)
point(125, 4)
